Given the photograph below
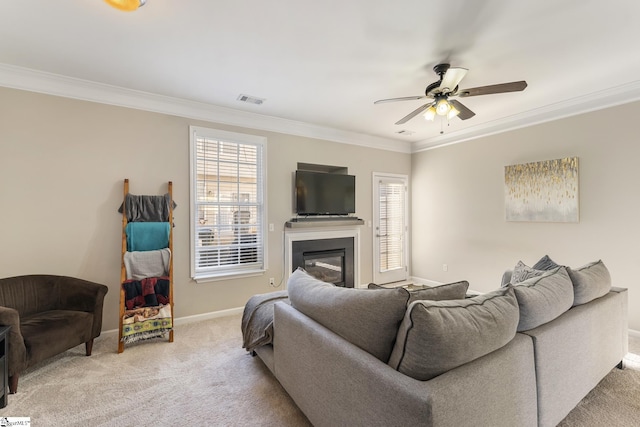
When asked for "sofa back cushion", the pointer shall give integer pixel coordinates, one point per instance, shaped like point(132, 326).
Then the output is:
point(30, 294)
point(543, 298)
point(367, 319)
point(455, 290)
point(590, 281)
point(437, 336)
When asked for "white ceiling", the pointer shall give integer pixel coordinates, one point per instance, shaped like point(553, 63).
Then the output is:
point(320, 65)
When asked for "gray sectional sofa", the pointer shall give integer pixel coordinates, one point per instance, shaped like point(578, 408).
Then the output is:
point(522, 355)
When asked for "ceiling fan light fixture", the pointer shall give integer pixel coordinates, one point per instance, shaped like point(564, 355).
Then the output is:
point(452, 112)
point(442, 107)
point(126, 5)
point(430, 114)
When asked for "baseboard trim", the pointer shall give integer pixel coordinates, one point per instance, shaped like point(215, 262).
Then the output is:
point(634, 333)
point(193, 319)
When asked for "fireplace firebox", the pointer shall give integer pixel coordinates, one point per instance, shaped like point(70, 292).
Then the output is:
point(329, 260)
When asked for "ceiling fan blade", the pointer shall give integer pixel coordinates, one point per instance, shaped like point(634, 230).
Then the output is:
point(451, 79)
point(488, 90)
point(465, 113)
point(412, 114)
point(405, 98)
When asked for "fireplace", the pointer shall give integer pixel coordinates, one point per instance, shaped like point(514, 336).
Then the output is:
point(330, 254)
point(329, 260)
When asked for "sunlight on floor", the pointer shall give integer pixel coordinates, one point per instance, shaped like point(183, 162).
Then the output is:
point(632, 361)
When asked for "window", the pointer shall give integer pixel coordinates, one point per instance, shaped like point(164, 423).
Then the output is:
point(227, 203)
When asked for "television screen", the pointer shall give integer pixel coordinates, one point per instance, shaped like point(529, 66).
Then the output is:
point(319, 193)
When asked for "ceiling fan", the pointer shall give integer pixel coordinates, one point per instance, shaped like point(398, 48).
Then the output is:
point(447, 87)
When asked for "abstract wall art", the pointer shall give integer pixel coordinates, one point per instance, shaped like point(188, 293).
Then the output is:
point(545, 191)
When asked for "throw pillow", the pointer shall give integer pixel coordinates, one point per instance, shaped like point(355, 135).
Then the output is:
point(543, 298)
point(545, 264)
point(448, 291)
point(590, 281)
point(522, 272)
point(367, 319)
point(437, 336)
point(455, 290)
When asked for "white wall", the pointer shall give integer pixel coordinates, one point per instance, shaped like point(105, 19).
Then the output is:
point(458, 203)
point(62, 166)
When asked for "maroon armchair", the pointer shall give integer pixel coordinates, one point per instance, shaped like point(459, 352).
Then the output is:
point(48, 315)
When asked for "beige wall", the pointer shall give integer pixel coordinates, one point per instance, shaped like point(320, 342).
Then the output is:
point(458, 203)
point(62, 164)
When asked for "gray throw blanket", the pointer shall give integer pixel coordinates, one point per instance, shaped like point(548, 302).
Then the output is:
point(147, 208)
point(140, 265)
point(257, 319)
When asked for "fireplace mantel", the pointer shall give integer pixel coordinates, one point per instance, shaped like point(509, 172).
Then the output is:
point(323, 222)
point(328, 231)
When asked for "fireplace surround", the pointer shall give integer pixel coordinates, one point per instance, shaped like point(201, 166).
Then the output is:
point(328, 253)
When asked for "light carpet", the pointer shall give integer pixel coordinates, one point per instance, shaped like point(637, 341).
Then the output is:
point(205, 378)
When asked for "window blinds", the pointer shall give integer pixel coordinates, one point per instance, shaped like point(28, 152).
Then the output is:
point(391, 204)
point(228, 205)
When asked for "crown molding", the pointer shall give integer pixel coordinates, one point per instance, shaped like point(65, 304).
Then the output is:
point(85, 90)
point(584, 104)
point(68, 87)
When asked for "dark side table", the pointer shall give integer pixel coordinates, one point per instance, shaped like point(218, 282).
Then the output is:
point(4, 364)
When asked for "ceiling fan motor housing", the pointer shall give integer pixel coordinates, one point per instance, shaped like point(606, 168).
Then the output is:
point(440, 69)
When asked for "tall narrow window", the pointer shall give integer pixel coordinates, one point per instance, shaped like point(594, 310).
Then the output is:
point(227, 199)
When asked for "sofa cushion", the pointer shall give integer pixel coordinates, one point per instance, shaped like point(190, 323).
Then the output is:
point(455, 290)
point(543, 298)
point(367, 319)
point(51, 332)
point(437, 336)
point(590, 281)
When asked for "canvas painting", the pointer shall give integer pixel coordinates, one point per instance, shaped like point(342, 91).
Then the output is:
point(545, 191)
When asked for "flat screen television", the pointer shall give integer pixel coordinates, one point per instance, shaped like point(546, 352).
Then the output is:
point(319, 193)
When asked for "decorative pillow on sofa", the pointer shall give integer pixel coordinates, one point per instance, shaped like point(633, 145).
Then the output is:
point(455, 290)
point(543, 298)
point(590, 281)
point(545, 264)
point(522, 272)
point(367, 319)
point(448, 291)
point(437, 336)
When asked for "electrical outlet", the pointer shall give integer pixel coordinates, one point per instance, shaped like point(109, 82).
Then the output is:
point(272, 282)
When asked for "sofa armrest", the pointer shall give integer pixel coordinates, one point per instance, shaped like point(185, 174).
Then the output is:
point(17, 349)
point(83, 295)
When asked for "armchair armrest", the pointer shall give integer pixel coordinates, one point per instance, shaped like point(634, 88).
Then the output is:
point(17, 349)
point(83, 295)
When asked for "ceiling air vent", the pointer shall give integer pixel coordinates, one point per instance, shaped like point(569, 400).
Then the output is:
point(405, 132)
point(250, 99)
